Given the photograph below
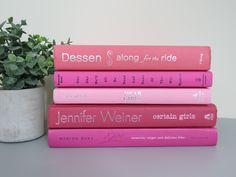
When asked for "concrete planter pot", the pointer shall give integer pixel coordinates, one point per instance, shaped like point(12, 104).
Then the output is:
point(21, 114)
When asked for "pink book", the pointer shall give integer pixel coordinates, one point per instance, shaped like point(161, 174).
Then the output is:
point(132, 137)
point(132, 96)
point(127, 116)
point(122, 57)
point(132, 79)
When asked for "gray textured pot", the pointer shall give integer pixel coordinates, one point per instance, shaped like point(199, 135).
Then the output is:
point(21, 114)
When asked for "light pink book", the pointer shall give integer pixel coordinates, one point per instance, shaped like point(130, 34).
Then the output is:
point(132, 137)
point(133, 79)
point(126, 57)
point(132, 96)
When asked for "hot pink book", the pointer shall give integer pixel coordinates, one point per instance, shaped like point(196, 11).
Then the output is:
point(132, 79)
point(132, 96)
point(127, 116)
point(122, 57)
point(131, 137)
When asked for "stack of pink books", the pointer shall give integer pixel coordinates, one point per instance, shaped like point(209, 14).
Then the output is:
point(132, 96)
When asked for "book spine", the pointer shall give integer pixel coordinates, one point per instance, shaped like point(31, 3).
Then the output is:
point(132, 79)
point(95, 57)
point(131, 116)
point(131, 137)
point(132, 96)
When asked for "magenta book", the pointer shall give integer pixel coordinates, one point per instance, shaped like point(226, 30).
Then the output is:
point(132, 79)
point(122, 57)
point(131, 116)
point(132, 137)
point(132, 96)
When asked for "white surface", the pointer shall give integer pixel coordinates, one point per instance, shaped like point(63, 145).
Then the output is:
point(142, 22)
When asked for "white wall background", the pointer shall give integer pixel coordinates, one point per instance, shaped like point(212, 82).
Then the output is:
point(142, 22)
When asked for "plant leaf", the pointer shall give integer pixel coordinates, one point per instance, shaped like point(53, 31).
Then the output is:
point(41, 61)
point(1, 50)
point(19, 71)
point(10, 19)
point(15, 48)
point(2, 40)
point(2, 24)
point(23, 22)
point(12, 57)
point(34, 72)
point(20, 59)
point(10, 80)
point(13, 36)
point(31, 63)
point(31, 81)
point(44, 71)
point(19, 85)
point(12, 67)
point(29, 57)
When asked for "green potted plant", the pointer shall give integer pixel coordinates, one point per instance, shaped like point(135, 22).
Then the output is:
point(25, 60)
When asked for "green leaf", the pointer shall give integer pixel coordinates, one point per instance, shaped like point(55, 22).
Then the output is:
point(2, 40)
point(31, 81)
point(15, 26)
point(12, 67)
point(51, 70)
point(10, 20)
point(68, 41)
point(19, 85)
point(50, 45)
point(37, 47)
point(3, 34)
point(35, 36)
point(42, 81)
point(20, 59)
point(12, 57)
point(19, 71)
point(13, 36)
point(41, 61)
point(1, 50)
point(53, 42)
point(10, 80)
point(31, 63)
point(2, 24)
point(50, 63)
point(15, 48)
point(30, 45)
point(42, 39)
point(34, 72)
point(44, 71)
point(23, 22)
point(29, 57)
